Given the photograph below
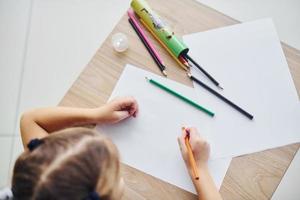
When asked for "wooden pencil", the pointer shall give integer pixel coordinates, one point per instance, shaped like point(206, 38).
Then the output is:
point(183, 98)
point(164, 46)
point(183, 61)
point(156, 60)
point(236, 107)
point(203, 71)
point(190, 154)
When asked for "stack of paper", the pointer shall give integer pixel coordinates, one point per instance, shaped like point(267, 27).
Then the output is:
point(149, 142)
point(248, 61)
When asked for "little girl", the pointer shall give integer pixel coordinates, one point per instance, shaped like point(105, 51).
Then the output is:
point(78, 163)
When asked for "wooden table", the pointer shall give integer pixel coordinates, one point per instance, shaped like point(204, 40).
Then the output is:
point(254, 176)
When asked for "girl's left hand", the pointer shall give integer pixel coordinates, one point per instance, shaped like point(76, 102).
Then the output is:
point(117, 110)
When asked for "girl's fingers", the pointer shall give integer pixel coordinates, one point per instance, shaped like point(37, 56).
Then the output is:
point(133, 110)
point(184, 132)
point(182, 145)
point(122, 115)
point(181, 140)
point(136, 110)
point(182, 148)
point(193, 132)
point(194, 135)
point(130, 104)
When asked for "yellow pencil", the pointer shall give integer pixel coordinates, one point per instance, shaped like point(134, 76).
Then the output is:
point(183, 61)
point(191, 155)
point(165, 47)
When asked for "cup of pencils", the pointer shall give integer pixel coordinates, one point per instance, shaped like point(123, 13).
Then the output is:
point(142, 13)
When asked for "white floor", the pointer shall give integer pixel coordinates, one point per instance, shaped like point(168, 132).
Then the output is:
point(285, 14)
point(45, 44)
point(288, 188)
point(14, 18)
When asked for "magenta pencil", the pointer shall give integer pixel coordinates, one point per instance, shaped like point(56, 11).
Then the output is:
point(135, 21)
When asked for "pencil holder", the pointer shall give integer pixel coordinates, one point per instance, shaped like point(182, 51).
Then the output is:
point(159, 28)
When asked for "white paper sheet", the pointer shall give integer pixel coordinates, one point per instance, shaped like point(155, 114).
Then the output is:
point(149, 142)
point(249, 63)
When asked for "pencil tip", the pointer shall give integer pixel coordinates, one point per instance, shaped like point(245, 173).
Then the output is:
point(164, 73)
point(220, 87)
point(147, 78)
point(189, 74)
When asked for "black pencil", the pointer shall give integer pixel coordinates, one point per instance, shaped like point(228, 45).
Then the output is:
point(203, 71)
point(245, 113)
point(158, 63)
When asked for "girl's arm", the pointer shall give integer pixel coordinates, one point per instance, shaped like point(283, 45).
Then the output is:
point(205, 185)
point(40, 122)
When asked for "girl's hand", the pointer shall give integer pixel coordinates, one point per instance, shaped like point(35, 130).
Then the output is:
point(199, 146)
point(204, 186)
point(116, 110)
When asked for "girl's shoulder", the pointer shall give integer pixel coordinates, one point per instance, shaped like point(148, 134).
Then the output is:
point(6, 194)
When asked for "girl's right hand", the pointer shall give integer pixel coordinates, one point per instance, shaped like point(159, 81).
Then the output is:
point(200, 148)
point(205, 187)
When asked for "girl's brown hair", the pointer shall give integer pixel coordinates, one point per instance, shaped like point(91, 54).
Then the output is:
point(69, 164)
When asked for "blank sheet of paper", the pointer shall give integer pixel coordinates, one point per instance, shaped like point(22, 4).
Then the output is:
point(249, 63)
point(149, 142)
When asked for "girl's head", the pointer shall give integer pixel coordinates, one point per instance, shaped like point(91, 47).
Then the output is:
point(69, 164)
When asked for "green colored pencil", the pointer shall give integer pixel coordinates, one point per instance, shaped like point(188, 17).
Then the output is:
point(185, 99)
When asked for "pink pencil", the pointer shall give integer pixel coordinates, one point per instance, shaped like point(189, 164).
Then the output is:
point(134, 19)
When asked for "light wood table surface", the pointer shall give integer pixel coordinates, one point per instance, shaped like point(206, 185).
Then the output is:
point(254, 176)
